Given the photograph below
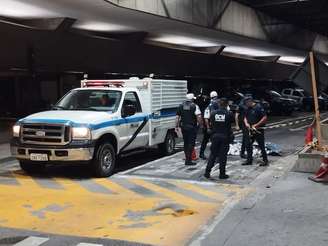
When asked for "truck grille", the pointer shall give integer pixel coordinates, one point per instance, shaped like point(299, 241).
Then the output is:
point(45, 134)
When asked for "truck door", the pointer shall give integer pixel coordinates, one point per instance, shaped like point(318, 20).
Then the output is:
point(133, 122)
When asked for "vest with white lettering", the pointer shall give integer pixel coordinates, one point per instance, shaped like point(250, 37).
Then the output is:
point(221, 121)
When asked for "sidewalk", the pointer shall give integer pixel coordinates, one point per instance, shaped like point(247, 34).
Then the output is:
point(293, 212)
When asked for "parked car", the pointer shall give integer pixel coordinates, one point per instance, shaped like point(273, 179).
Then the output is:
point(303, 97)
point(238, 96)
point(279, 105)
point(324, 96)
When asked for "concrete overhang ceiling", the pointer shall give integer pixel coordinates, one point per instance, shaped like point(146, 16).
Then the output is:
point(103, 19)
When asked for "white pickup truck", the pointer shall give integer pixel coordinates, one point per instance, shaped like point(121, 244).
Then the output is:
point(98, 122)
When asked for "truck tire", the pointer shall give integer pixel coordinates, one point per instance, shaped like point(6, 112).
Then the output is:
point(167, 148)
point(104, 160)
point(30, 167)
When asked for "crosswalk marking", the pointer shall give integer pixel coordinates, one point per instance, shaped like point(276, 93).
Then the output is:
point(205, 190)
point(94, 187)
point(24, 179)
point(189, 193)
point(115, 187)
point(7, 178)
point(48, 183)
point(141, 190)
point(32, 241)
point(112, 186)
point(88, 244)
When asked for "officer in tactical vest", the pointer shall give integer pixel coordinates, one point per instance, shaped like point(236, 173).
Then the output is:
point(213, 105)
point(221, 136)
point(188, 119)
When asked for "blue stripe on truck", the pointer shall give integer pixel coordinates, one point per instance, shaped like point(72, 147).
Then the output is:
point(164, 113)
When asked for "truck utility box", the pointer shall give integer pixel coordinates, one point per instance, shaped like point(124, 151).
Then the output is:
point(96, 123)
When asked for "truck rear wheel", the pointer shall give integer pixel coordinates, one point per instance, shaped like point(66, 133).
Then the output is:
point(30, 167)
point(104, 160)
point(167, 148)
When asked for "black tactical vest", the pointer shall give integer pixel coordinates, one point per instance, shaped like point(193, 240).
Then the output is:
point(221, 121)
point(188, 117)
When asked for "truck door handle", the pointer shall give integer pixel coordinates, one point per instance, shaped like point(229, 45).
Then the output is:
point(134, 125)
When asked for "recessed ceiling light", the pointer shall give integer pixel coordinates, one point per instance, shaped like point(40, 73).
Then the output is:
point(292, 59)
point(186, 41)
point(21, 9)
point(247, 51)
point(100, 26)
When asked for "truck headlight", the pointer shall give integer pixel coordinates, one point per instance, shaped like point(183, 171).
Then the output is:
point(16, 130)
point(81, 133)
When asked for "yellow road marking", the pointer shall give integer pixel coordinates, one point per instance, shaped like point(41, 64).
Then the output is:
point(124, 215)
point(220, 196)
point(171, 194)
point(119, 189)
point(24, 179)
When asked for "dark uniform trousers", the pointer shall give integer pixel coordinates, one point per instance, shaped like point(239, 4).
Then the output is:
point(219, 149)
point(206, 139)
point(259, 138)
point(189, 138)
point(243, 141)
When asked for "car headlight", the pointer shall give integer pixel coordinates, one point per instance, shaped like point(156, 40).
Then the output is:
point(16, 130)
point(81, 133)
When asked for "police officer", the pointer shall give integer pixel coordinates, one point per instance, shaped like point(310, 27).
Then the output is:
point(221, 136)
point(240, 125)
point(255, 119)
point(188, 115)
point(213, 105)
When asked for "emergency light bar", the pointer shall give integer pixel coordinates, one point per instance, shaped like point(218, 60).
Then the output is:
point(101, 83)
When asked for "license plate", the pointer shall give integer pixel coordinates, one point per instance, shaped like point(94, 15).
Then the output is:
point(38, 157)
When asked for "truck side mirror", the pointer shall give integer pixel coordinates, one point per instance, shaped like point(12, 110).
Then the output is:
point(129, 110)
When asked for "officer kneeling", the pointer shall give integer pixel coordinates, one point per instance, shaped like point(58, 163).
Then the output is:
point(221, 136)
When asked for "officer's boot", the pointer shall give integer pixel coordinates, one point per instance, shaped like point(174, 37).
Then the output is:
point(188, 161)
point(223, 174)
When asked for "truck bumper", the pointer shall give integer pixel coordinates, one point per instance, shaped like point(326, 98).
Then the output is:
point(64, 153)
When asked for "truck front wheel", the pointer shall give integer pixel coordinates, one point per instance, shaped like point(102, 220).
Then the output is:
point(167, 148)
point(30, 167)
point(104, 160)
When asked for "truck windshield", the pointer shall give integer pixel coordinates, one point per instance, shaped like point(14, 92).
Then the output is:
point(93, 100)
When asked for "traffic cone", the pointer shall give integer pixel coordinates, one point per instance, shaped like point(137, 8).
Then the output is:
point(321, 175)
point(194, 155)
point(309, 136)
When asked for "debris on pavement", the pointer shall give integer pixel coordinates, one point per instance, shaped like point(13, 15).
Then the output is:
point(271, 148)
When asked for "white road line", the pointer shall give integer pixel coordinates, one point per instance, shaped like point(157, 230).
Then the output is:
point(304, 118)
point(88, 244)
point(32, 241)
point(306, 126)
